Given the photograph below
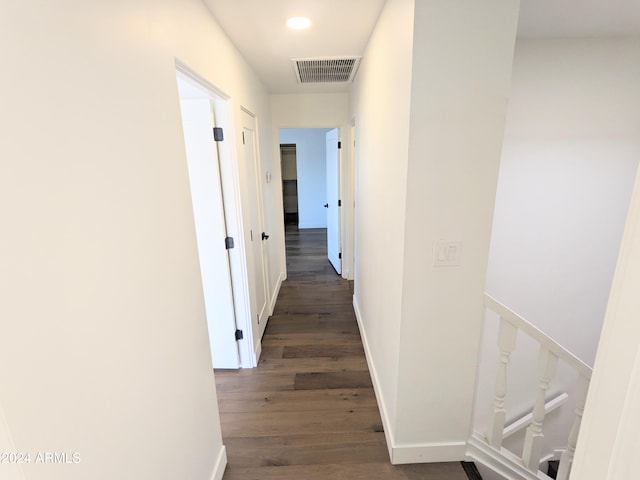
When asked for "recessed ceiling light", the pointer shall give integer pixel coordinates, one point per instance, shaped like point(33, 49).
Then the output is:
point(298, 23)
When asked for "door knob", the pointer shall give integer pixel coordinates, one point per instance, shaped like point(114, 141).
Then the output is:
point(264, 236)
point(326, 205)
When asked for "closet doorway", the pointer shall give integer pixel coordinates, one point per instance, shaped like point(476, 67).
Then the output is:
point(289, 184)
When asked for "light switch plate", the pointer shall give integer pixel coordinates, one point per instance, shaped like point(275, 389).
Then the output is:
point(446, 253)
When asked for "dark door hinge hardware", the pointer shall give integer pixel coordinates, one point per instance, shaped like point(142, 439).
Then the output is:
point(239, 334)
point(265, 236)
point(339, 144)
point(228, 243)
point(218, 134)
point(326, 205)
point(340, 255)
point(339, 203)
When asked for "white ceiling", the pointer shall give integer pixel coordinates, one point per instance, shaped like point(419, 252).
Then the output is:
point(343, 27)
point(258, 30)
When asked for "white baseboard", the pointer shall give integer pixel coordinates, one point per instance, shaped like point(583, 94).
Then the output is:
point(276, 291)
point(302, 226)
point(221, 464)
point(428, 452)
point(386, 424)
point(257, 353)
point(405, 453)
point(270, 307)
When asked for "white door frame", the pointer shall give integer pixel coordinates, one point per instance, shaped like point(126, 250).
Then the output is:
point(333, 205)
point(230, 179)
point(255, 230)
point(349, 206)
point(198, 123)
point(347, 187)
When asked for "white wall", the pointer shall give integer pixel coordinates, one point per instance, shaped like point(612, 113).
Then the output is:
point(319, 110)
point(311, 173)
point(430, 110)
point(105, 348)
point(462, 62)
point(569, 158)
point(608, 442)
point(10, 469)
point(380, 106)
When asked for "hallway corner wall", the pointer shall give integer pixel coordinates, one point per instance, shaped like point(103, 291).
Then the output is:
point(429, 107)
point(380, 105)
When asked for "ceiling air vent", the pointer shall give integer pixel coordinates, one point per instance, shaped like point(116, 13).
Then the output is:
point(326, 70)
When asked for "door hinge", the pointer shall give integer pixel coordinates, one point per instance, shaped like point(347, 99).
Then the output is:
point(218, 134)
point(239, 335)
point(243, 138)
point(339, 144)
point(228, 243)
point(340, 255)
point(339, 203)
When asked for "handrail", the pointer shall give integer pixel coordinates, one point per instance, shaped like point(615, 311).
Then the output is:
point(525, 420)
point(542, 338)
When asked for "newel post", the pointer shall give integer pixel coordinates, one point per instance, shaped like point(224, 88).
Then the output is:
point(506, 344)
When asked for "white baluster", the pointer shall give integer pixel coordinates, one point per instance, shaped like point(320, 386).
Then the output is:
point(567, 456)
point(506, 344)
point(532, 451)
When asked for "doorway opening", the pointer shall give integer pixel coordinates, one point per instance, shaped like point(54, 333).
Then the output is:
point(215, 193)
point(310, 165)
point(288, 156)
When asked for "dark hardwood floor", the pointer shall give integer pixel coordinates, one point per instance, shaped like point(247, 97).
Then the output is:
point(308, 412)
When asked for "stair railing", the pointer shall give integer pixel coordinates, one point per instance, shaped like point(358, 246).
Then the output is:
point(550, 352)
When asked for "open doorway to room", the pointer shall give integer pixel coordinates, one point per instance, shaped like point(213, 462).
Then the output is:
point(206, 121)
point(289, 184)
point(310, 165)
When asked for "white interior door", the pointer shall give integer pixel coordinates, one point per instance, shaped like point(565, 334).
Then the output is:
point(254, 231)
point(208, 210)
point(333, 200)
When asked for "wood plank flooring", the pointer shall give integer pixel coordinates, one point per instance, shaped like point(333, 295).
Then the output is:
point(309, 412)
